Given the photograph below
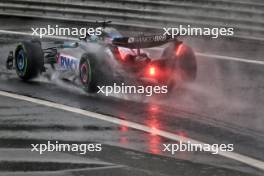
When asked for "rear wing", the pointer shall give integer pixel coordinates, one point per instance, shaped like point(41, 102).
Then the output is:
point(143, 41)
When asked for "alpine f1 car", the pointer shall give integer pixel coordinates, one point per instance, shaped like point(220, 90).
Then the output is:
point(108, 58)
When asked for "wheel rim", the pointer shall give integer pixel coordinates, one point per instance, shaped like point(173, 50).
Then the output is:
point(20, 60)
point(84, 73)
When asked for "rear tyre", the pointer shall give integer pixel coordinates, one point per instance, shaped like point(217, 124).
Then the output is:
point(29, 60)
point(187, 64)
point(88, 69)
point(181, 60)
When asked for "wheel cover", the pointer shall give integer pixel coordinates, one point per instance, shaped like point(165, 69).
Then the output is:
point(20, 60)
point(84, 73)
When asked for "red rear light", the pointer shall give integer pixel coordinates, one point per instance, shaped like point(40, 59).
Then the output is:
point(152, 71)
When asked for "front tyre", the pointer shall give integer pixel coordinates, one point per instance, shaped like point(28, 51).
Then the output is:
point(29, 60)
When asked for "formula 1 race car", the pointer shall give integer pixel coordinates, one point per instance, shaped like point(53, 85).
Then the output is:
point(108, 58)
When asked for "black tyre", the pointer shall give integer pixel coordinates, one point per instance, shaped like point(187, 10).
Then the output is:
point(187, 64)
point(181, 59)
point(29, 60)
point(89, 73)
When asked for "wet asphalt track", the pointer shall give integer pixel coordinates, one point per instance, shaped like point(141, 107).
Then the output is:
point(224, 105)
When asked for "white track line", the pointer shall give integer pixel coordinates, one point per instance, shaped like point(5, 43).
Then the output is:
point(198, 54)
point(232, 155)
point(230, 58)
